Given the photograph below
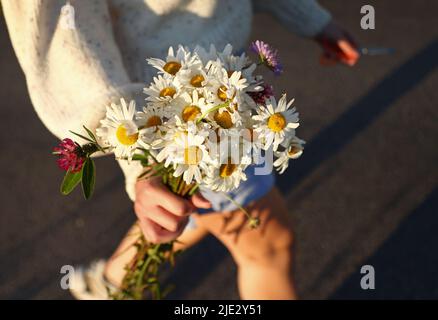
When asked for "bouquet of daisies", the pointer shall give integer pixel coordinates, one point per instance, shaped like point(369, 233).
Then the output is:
point(207, 118)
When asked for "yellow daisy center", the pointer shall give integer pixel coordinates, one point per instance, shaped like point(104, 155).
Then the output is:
point(190, 113)
point(227, 169)
point(197, 80)
point(192, 155)
point(277, 122)
point(153, 122)
point(222, 93)
point(167, 92)
point(124, 138)
point(172, 67)
point(223, 119)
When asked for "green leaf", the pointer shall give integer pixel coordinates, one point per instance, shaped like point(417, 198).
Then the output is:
point(81, 136)
point(71, 180)
point(93, 137)
point(142, 158)
point(138, 157)
point(91, 134)
point(88, 178)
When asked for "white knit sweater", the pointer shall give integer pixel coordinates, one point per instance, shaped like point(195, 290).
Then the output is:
point(73, 73)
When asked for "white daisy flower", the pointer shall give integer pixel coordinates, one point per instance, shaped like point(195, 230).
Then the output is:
point(221, 117)
point(225, 144)
point(223, 56)
point(224, 118)
point(162, 90)
point(187, 153)
point(240, 63)
point(275, 123)
point(293, 151)
point(229, 61)
point(225, 87)
point(193, 77)
point(151, 121)
point(189, 107)
point(251, 146)
point(173, 63)
point(227, 92)
point(227, 52)
point(225, 177)
point(174, 128)
point(206, 56)
point(119, 129)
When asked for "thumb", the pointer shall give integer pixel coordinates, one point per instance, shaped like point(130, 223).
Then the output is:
point(199, 201)
point(349, 53)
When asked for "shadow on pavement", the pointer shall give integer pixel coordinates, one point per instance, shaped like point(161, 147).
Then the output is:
point(361, 114)
point(405, 267)
point(195, 265)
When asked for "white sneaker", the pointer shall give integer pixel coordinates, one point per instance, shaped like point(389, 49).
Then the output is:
point(90, 284)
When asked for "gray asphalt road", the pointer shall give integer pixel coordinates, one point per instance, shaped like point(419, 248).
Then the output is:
point(365, 191)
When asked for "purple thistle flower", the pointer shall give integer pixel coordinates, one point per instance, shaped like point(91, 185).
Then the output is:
point(260, 97)
point(268, 56)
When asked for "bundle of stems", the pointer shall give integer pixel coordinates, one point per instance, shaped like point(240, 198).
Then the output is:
point(142, 273)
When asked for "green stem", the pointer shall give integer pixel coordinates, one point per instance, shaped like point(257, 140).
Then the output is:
point(142, 272)
point(192, 190)
point(147, 153)
point(222, 105)
point(238, 205)
point(182, 184)
point(146, 265)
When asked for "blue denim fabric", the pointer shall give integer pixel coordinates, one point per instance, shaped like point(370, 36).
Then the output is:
point(255, 187)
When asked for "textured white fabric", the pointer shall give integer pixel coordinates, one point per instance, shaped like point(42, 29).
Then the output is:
point(90, 283)
point(303, 17)
point(73, 73)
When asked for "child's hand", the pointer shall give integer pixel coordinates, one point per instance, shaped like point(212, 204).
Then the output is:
point(163, 215)
point(338, 46)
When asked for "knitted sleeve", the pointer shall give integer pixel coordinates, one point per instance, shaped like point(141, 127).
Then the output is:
point(303, 17)
point(73, 67)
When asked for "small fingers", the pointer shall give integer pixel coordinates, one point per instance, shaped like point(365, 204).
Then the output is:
point(173, 203)
point(167, 220)
point(153, 191)
point(155, 233)
point(349, 55)
point(160, 216)
point(199, 201)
